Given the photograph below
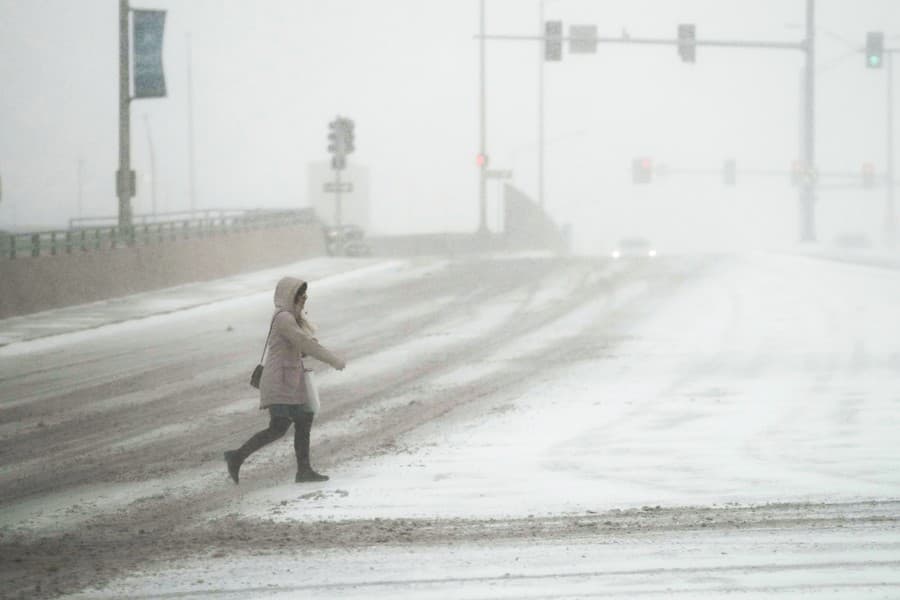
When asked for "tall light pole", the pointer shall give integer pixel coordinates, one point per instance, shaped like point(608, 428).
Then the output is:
point(808, 189)
point(152, 165)
point(482, 144)
point(192, 185)
point(540, 155)
point(890, 225)
point(80, 185)
point(124, 182)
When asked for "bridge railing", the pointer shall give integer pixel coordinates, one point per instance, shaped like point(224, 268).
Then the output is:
point(104, 233)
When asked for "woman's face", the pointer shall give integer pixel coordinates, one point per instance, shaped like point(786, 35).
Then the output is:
point(299, 303)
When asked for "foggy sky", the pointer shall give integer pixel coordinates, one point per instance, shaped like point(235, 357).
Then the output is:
point(269, 75)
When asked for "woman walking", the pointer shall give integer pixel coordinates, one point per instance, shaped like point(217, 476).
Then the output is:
point(283, 387)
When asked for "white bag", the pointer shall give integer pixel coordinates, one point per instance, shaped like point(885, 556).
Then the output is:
point(312, 392)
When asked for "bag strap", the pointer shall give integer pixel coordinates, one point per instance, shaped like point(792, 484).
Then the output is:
point(268, 335)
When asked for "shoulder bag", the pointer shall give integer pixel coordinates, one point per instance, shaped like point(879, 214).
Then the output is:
point(256, 376)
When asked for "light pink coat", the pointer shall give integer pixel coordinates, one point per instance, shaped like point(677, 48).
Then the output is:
point(283, 374)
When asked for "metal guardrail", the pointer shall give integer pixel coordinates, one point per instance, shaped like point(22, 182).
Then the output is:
point(145, 232)
point(163, 217)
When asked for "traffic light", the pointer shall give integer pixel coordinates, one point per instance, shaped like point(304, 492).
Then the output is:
point(553, 40)
point(348, 136)
point(335, 137)
point(868, 175)
point(874, 49)
point(641, 170)
point(729, 172)
point(687, 42)
point(340, 141)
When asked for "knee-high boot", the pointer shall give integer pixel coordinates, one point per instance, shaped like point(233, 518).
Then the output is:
point(302, 427)
point(235, 458)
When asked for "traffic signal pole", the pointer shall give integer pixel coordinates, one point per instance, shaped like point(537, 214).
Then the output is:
point(890, 222)
point(652, 41)
point(338, 209)
point(807, 198)
point(341, 143)
point(808, 189)
point(540, 156)
point(482, 168)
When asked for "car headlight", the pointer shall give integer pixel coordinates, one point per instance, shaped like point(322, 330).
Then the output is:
point(616, 254)
point(652, 253)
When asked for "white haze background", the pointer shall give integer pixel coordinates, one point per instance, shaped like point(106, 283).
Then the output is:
point(268, 76)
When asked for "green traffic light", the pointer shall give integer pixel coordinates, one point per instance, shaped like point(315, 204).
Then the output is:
point(874, 60)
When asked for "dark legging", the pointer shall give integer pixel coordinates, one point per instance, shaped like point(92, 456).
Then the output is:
point(278, 426)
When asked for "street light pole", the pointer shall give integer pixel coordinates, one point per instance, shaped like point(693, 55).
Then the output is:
point(482, 180)
point(808, 190)
point(80, 185)
point(152, 165)
point(192, 185)
point(540, 156)
point(890, 225)
point(124, 188)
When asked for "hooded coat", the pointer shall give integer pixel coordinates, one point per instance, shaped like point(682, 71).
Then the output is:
point(283, 373)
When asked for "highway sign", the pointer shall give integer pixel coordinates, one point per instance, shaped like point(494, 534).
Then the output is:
point(331, 187)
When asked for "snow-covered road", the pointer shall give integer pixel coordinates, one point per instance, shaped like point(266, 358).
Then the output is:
point(518, 427)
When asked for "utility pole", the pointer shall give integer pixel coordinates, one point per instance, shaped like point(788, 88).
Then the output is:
point(124, 177)
point(890, 224)
point(192, 186)
point(541, 60)
point(808, 189)
point(152, 165)
point(80, 185)
point(482, 180)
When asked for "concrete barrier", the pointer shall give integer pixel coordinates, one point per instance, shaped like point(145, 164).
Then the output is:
point(32, 284)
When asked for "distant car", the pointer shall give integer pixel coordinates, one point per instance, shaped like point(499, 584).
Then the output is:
point(346, 241)
point(357, 248)
point(633, 247)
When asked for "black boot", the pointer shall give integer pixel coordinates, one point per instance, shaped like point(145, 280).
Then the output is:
point(235, 458)
point(302, 427)
point(306, 473)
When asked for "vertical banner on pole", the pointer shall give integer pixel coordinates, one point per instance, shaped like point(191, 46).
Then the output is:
point(149, 79)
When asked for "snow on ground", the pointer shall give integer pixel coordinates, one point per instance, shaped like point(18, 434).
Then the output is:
point(51, 328)
point(777, 390)
point(755, 564)
point(71, 327)
point(772, 380)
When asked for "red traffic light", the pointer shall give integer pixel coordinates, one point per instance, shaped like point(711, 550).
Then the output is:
point(481, 159)
point(642, 170)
